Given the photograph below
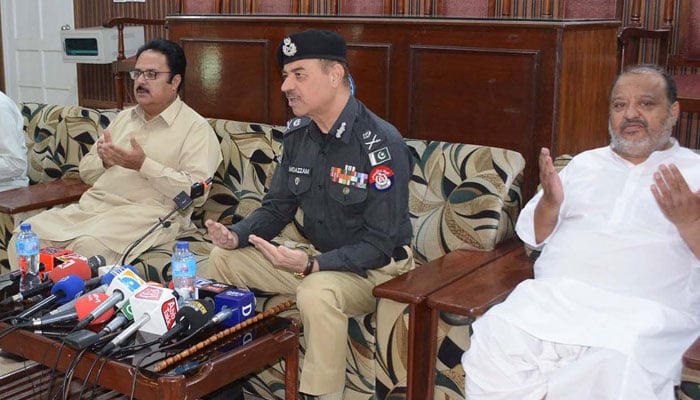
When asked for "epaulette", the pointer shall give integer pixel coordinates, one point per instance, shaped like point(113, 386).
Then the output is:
point(296, 123)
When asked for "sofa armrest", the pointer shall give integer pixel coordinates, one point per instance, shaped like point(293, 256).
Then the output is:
point(474, 293)
point(691, 357)
point(41, 195)
point(414, 286)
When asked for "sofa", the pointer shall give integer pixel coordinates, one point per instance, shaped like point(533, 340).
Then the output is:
point(464, 199)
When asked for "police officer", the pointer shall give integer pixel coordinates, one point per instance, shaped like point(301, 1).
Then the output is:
point(348, 170)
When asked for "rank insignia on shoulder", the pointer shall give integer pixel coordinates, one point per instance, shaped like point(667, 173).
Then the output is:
point(379, 156)
point(381, 178)
point(296, 123)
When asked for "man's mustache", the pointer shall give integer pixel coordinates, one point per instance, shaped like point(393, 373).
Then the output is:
point(629, 122)
point(142, 89)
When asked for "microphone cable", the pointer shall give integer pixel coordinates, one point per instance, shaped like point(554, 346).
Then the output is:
point(68, 375)
point(161, 221)
point(86, 380)
point(54, 370)
point(182, 202)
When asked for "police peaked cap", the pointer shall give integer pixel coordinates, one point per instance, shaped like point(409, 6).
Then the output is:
point(313, 43)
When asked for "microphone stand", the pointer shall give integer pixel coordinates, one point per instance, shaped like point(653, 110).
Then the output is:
point(182, 201)
point(161, 221)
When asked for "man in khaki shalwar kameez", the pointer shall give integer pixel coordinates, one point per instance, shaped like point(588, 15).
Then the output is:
point(147, 155)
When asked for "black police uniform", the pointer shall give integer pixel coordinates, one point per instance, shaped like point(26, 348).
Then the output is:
point(352, 185)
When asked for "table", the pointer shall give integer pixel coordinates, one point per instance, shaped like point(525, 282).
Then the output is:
point(273, 338)
point(472, 295)
point(32, 197)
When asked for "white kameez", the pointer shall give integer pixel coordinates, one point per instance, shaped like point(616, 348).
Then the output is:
point(615, 273)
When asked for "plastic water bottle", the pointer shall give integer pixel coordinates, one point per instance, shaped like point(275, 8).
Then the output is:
point(28, 254)
point(184, 267)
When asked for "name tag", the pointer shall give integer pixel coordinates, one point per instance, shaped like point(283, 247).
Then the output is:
point(299, 170)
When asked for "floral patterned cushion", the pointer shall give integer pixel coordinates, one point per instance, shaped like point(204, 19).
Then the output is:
point(56, 137)
point(461, 196)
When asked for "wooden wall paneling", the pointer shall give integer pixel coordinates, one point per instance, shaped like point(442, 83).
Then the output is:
point(278, 6)
point(211, 60)
point(583, 99)
point(372, 85)
point(363, 7)
point(589, 9)
point(458, 8)
point(511, 84)
point(481, 80)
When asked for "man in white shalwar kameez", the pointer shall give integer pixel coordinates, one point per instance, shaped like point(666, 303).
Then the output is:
point(616, 296)
point(147, 155)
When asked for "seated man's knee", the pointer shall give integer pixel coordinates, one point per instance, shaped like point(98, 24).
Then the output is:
point(215, 263)
point(315, 290)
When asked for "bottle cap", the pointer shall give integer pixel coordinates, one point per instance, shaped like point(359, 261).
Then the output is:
point(183, 245)
point(26, 226)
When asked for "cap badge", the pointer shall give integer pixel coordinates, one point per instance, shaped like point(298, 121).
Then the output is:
point(289, 49)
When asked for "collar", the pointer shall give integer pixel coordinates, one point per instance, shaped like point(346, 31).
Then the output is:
point(342, 128)
point(656, 157)
point(168, 115)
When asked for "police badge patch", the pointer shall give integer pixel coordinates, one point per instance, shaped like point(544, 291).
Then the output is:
point(381, 178)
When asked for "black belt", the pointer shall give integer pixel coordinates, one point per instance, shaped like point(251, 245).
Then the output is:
point(399, 253)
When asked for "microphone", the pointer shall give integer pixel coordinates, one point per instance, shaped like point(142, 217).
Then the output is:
point(104, 281)
point(223, 315)
point(53, 257)
point(73, 265)
point(64, 290)
point(198, 188)
point(192, 316)
point(160, 303)
point(123, 286)
point(183, 201)
point(58, 273)
point(84, 338)
point(95, 262)
point(11, 276)
point(242, 303)
point(154, 310)
point(82, 309)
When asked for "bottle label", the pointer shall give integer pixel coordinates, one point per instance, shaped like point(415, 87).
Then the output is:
point(27, 247)
point(185, 268)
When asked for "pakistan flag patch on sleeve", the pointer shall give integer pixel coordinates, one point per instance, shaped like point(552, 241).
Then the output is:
point(379, 156)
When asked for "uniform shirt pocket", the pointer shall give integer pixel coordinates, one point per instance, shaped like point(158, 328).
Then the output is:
point(347, 195)
point(298, 183)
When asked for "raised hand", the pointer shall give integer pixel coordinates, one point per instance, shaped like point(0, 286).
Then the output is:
point(113, 155)
point(220, 235)
point(292, 260)
point(679, 204)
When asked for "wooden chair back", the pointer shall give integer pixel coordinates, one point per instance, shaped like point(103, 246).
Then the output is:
point(122, 65)
point(630, 40)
